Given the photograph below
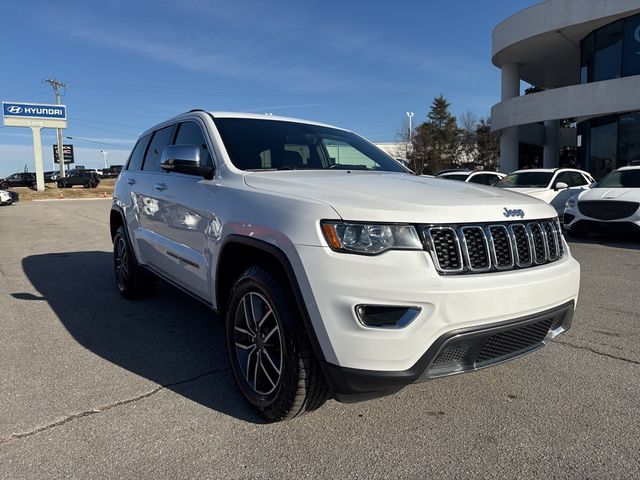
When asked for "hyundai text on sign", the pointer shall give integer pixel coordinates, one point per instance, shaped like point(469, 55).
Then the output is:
point(34, 110)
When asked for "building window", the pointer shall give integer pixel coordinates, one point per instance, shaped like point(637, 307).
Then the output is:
point(629, 132)
point(608, 143)
point(631, 60)
point(612, 51)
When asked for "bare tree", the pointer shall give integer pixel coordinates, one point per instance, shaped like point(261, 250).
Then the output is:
point(468, 137)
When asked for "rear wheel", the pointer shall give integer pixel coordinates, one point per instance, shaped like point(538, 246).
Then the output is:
point(269, 350)
point(62, 184)
point(87, 184)
point(132, 280)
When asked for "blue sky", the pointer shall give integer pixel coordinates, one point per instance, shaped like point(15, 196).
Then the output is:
point(130, 64)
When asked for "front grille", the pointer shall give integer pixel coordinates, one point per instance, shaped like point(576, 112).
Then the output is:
point(481, 349)
point(459, 249)
point(513, 341)
point(607, 209)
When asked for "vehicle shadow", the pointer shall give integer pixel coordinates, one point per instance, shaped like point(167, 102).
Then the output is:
point(168, 338)
point(613, 240)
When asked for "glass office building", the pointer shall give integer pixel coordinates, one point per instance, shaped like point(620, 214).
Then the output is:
point(610, 141)
point(584, 60)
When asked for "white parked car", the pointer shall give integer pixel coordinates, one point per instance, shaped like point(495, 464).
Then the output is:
point(338, 272)
point(481, 177)
point(614, 204)
point(8, 197)
point(554, 186)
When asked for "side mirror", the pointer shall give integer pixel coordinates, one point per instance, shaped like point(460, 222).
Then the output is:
point(561, 186)
point(593, 185)
point(184, 159)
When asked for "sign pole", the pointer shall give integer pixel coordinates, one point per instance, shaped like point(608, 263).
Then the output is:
point(37, 150)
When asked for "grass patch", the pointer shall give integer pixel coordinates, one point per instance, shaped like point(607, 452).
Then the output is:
point(52, 192)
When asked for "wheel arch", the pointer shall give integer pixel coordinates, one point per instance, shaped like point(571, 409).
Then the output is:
point(238, 253)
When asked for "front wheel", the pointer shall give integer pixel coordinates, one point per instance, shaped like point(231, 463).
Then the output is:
point(132, 280)
point(269, 350)
point(87, 185)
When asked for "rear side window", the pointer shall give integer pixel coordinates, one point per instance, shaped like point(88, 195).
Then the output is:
point(189, 133)
point(160, 139)
point(577, 180)
point(563, 177)
point(135, 161)
point(482, 179)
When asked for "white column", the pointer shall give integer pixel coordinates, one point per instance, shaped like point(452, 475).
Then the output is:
point(509, 149)
point(37, 151)
point(509, 138)
point(551, 150)
point(510, 81)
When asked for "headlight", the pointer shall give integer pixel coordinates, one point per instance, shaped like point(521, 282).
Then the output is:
point(571, 203)
point(370, 239)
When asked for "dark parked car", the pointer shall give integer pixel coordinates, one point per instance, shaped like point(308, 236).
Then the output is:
point(50, 177)
point(23, 179)
point(111, 172)
point(86, 178)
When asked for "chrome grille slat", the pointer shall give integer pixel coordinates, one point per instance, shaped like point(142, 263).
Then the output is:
point(471, 249)
point(501, 247)
point(523, 244)
point(446, 245)
point(475, 247)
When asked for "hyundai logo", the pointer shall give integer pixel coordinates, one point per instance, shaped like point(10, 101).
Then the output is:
point(15, 109)
point(518, 212)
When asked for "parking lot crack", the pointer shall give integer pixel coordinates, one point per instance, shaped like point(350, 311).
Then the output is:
point(104, 408)
point(592, 350)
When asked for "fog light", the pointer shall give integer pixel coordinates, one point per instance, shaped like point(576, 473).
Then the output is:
point(376, 316)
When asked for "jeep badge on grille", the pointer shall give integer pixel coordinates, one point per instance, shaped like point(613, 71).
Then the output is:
point(518, 212)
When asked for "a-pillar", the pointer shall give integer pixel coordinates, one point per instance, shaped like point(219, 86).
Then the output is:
point(551, 151)
point(509, 137)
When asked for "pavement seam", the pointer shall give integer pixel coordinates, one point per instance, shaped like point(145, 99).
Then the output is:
point(104, 408)
point(589, 349)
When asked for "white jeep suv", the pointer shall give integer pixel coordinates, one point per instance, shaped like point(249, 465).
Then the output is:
point(338, 272)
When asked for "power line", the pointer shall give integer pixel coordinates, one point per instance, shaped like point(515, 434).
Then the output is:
point(98, 143)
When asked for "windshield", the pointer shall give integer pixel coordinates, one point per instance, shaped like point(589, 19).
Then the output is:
point(526, 180)
point(274, 145)
point(621, 179)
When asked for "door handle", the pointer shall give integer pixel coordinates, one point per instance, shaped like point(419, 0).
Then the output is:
point(160, 186)
point(131, 181)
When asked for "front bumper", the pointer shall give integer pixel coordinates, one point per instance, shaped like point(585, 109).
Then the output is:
point(458, 351)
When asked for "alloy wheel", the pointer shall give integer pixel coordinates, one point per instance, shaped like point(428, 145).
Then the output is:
point(258, 343)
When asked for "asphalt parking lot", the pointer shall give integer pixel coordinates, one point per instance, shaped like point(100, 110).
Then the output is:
point(93, 386)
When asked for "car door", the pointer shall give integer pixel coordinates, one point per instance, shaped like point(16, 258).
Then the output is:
point(180, 223)
point(130, 189)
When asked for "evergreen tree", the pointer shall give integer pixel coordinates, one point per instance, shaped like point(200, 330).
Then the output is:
point(437, 140)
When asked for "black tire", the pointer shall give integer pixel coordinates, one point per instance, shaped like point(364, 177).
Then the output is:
point(87, 185)
point(255, 350)
point(62, 184)
point(132, 281)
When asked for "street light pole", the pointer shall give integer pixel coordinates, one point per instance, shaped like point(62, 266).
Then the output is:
point(105, 153)
point(410, 115)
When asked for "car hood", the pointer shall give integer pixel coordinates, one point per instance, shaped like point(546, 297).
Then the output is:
point(400, 197)
point(624, 194)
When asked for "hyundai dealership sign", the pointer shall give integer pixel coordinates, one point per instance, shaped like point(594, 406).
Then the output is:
point(34, 110)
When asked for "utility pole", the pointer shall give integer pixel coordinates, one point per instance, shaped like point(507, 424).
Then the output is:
point(57, 86)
